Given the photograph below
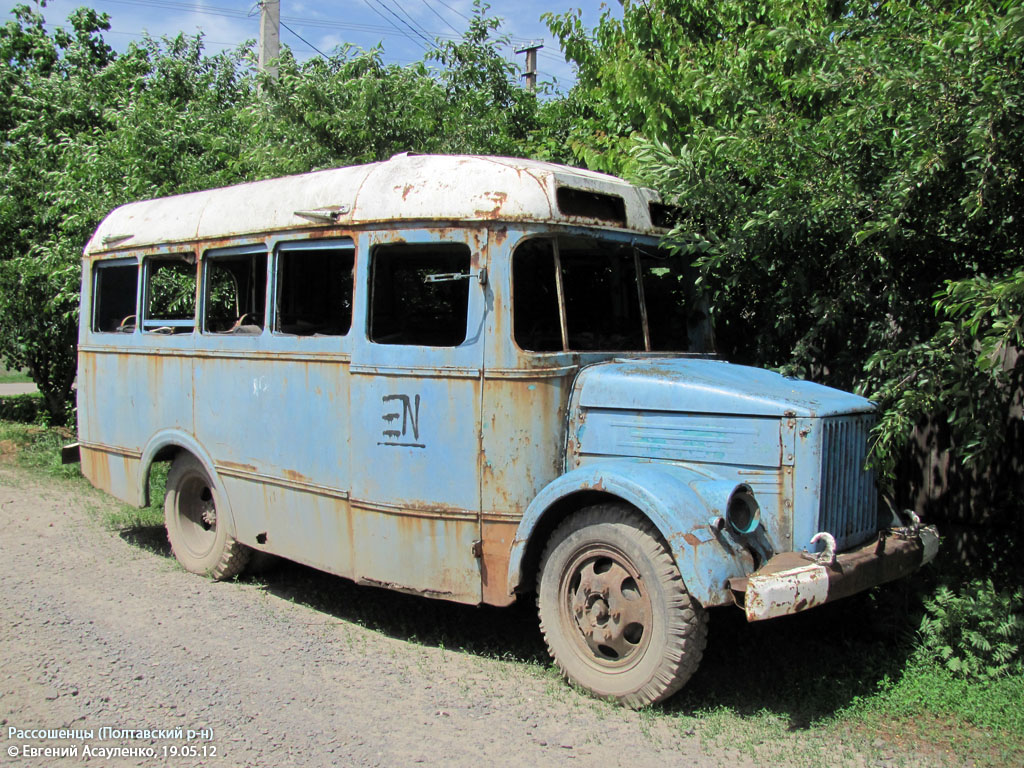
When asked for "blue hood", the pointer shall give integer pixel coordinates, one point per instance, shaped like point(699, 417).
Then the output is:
point(698, 385)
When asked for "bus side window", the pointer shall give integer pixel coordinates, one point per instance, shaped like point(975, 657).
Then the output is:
point(236, 291)
point(314, 288)
point(114, 296)
point(170, 295)
point(417, 296)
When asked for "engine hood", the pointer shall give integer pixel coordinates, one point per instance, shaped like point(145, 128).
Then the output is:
point(697, 385)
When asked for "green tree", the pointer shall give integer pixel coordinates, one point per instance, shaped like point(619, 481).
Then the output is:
point(835, 164)
point(83, 130)
point(46, 99)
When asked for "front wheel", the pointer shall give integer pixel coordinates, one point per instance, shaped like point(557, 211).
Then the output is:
point(613, 608)
point(198, 535)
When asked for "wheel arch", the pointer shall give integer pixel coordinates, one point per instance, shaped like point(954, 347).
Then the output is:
point(165, 446)
point(679, 502)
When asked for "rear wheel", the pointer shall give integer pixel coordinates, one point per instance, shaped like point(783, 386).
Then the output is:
point(614, 611)
point(198, 535)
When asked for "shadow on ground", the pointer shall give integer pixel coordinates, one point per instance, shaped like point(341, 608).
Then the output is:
point(152, 538)
point(803, 668)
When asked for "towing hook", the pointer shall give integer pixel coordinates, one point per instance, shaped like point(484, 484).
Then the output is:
point(828, 557)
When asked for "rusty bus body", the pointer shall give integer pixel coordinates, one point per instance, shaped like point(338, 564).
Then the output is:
point(470, 378)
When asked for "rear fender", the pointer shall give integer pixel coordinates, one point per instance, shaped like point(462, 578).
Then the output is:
point(171, 438)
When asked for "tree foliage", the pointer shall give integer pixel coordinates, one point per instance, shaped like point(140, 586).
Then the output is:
point(83, 130)
point(844, 170)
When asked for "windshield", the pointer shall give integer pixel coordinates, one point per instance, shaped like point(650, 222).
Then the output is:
point(606, 308)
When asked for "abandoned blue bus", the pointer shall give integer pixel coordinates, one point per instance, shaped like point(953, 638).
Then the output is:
point(472, 378)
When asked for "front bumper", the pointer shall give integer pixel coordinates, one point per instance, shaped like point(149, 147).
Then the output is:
point(792, 582)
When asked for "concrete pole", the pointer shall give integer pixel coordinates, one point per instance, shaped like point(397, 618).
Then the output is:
point(531, 65)
point(270, 35)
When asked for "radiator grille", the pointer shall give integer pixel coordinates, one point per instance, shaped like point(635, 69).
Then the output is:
point(849, 499)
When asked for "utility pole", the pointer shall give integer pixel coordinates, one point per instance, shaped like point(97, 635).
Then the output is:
point(270, 35)
point(531, 64)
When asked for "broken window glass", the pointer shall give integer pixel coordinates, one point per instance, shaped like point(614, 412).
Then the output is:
point(314, 294)
point(236, 290)
point(602, 298)
point(170, 294)
point(420, 294)
point(114, 296)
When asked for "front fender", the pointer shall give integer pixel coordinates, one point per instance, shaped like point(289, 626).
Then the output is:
point(681, 502)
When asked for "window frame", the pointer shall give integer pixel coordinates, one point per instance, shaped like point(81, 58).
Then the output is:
point(449, 246)
point(344, 243)
point(99, 266)
point(210, 257)
point(148, 324)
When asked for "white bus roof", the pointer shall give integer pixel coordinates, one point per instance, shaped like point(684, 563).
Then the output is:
point(407, 187)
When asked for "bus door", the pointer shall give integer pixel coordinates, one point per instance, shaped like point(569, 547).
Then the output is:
point(416, 377)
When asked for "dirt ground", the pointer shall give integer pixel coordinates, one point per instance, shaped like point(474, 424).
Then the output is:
point(99, 632)
point(16, 389)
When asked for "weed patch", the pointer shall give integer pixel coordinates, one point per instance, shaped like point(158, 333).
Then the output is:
point(37, 448)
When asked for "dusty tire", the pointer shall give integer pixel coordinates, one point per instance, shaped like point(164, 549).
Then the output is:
point(613, 608)
point(199, 537)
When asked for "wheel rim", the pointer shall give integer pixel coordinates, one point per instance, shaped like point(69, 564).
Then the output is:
point(605, 607)
point(197, 516)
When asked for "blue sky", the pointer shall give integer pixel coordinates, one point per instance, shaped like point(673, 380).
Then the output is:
point(405, 28)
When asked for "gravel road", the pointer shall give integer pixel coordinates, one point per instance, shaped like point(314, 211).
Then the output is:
point(97, 631)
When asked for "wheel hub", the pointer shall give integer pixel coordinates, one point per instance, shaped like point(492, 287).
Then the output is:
point(610, 611)
point(209, 515)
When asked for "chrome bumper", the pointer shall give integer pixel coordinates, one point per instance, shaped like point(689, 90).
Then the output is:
point(792, 582)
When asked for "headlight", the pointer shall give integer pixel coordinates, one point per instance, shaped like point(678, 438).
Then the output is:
point(742, 511)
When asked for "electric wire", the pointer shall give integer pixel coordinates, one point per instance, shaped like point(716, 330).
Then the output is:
point(387, 8)
point(400, 30)
point(392, 27)
point(305, 40)
point(413, 21)
point(385, 18)
point(442, 18)
point(457, 13)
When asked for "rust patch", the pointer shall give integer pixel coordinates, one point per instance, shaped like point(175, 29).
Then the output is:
point(231, 465)
point(297, 477)
point(96, 467)
point(498, 236)
point(498, 199)
point(692, 540)
point(497, 544)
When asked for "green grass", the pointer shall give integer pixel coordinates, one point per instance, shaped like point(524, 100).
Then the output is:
point(125, 517)
point(7, 377)
point(847, 674)
point(37, 448)
point(844, 684)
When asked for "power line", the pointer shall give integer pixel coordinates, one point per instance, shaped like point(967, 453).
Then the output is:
point(413, 29)
point(442, 18)
point(391, 29)
point(442, 2)
point(411, 19)
point(384, 30)
point(209, 10)
point(399, 29)
point(305, 40)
